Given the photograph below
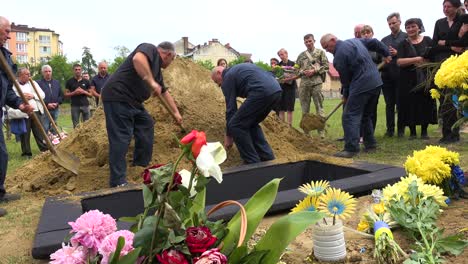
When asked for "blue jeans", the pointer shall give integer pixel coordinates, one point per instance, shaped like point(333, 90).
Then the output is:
point(123, 121)
point(46, 122)
point(75, 113)
point(359, 109)
point(245, 129)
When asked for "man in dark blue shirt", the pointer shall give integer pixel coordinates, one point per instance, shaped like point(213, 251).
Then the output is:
point(138, 78)
point(53, 96)
point(99, 80)
point(262, 93)
point(360, 82)
point(7, 97)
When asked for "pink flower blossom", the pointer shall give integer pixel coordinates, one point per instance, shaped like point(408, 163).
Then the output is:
point(69, 255)
point(91, 228)
point(109, 244)
point(212, 256)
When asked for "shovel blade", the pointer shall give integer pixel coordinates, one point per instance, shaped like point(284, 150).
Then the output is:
point(66, 160)
point(311, 122)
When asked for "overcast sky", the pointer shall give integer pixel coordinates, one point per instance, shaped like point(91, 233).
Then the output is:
point(259, 27)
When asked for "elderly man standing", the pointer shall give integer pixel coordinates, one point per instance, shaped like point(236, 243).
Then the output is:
point(123, 95)
point(98, 81)
point(53, 96)
point(7, 97)
point(313, 65)
point(361, 83)
point(262, 93)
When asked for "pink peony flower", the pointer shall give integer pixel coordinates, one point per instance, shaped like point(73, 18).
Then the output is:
point(109, 244)
point(212, 256)
point(91, 228)
point(69, 255)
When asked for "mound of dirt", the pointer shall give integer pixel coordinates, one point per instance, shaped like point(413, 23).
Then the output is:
point(202, 106)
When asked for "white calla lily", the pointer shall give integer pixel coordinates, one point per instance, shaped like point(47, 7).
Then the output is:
point(211, 155)
point(185, 174)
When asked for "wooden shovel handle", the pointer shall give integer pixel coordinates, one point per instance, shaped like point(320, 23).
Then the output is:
point(171, 112)
point(36, 121)
point(334, 110)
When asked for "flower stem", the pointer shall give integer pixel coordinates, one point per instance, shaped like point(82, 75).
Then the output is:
point(192, 175)
point(162, 204)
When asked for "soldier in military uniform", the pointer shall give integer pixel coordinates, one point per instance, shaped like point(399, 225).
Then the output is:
point(313, 68)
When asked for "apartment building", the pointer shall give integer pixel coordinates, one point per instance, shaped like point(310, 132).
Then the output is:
point(33, 45)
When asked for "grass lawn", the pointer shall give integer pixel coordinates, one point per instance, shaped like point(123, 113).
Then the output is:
point(14, 148)
point(389, 150)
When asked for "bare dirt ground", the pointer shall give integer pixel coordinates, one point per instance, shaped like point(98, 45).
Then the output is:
point(202, 106)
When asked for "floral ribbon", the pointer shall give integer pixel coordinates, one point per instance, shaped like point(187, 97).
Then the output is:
point(380, 227)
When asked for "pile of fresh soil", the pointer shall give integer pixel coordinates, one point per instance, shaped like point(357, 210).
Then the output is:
point(202, 106)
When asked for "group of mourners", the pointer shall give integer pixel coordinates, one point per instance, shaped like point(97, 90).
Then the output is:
point(140, 77)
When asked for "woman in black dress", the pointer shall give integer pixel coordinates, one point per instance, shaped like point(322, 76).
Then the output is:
point(447, 29)
point(416, 107)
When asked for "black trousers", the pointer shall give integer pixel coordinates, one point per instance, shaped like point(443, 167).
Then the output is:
point(390, 92)
point(26, 137)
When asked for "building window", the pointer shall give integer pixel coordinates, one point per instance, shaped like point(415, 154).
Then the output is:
point(21, 36)
point(21, 47)
point(44, 39)
point(22, 59)
point(44, 59)
point(45, 50)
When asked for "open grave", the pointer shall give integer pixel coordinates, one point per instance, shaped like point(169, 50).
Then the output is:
point(239, 183)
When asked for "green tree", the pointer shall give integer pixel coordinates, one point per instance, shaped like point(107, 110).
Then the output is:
point(239, 60)
point(122, 53)
point(61, 69)
point(87, 62)
point(207, 64)
point(263, 65)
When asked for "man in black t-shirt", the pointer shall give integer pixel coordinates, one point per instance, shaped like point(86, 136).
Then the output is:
point(77, 89)
point(123, 95)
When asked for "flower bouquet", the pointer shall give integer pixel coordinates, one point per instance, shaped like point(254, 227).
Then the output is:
point(334, 203)
point(285, 73)
point(452, 82)
point(438, 166)
point(174, 227)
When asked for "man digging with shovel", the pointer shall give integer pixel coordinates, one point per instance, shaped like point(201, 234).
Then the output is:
point(123, 95)
point(7, 97)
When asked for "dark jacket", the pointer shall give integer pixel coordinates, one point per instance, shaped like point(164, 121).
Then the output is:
point(53, 92)
point(7, 95)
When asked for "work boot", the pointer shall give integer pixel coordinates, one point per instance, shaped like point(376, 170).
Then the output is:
point(3, 212)
point(346, 154)
point(8, 197)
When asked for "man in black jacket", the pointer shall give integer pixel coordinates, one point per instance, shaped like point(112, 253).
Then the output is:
point(53, 96)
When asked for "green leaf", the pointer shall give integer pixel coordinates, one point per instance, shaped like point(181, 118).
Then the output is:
point(283, 231)
point(256, 208)
point(198, 204)
point(256, 257)
point(114, 256)
point(129, 219)
point(131, 257)
point(147, 196)
point(452, 244)
point(237, 254)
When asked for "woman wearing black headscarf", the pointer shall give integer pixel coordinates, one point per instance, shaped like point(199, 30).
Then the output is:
point(447, 29)
point(416, 107)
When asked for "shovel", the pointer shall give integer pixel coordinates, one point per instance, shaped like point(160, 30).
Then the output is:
point(172, 113)
point(311, 122)
point(46, 110)
point(62, 158)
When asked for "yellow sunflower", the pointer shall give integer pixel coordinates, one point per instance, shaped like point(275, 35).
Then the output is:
point(314, 188)
point(336, 202)
point(307, 204)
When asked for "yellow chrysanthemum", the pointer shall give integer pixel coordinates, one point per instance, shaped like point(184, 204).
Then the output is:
point(463, 98)
point(336, 202)
point(435, 94)
point(363, 226)
point(433, 164)
point(307, 204)
point(378, 208)
point(314, 188)
point(453, 72)
point(400, 190)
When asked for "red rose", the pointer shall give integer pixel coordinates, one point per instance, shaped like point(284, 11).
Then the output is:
point(147, 176)
point(199, 239)
point(197, 138)
point(172, 256)
point(212, 256)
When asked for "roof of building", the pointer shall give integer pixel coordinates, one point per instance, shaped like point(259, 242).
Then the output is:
point(26, 28)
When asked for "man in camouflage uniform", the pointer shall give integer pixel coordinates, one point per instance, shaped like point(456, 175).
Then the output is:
point(313, 69)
